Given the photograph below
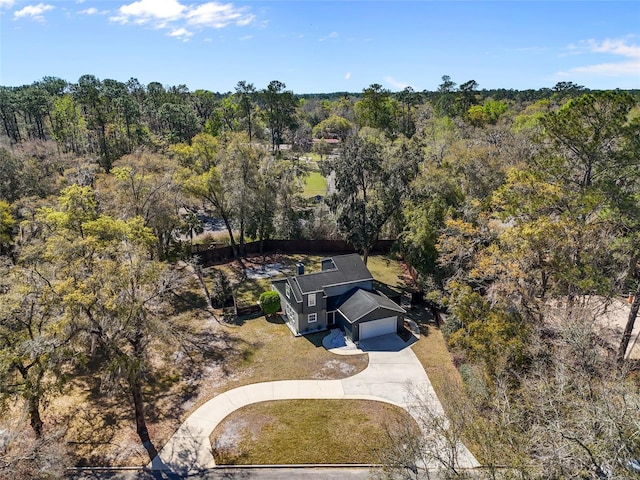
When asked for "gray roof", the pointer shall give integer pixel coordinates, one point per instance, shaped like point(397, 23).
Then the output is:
point(362, 302)
point(349, 268)
point(280, 283)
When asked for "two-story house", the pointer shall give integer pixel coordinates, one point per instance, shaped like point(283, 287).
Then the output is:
point(340, 294)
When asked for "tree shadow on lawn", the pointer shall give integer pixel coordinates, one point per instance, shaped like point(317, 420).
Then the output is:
point(238, 321)
point(95, 418)
point(98, 425)
point(203, 353)
point(275, 319)
point(187, 300)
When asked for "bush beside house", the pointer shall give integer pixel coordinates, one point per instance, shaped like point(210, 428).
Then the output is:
point(270, 302)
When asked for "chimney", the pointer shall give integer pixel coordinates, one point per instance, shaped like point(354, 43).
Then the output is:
point(300, 268)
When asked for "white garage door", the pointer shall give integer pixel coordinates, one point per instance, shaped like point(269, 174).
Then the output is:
point(375, 328)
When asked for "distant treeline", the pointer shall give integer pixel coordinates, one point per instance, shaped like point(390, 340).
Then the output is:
point(108, 118)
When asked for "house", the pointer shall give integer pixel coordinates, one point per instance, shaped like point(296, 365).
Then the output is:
point(340, 294)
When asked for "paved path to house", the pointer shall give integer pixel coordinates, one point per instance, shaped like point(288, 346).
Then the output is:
point(392, 368)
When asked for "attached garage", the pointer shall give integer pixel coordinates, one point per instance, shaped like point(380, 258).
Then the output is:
point(376, 328)
point(364, 314)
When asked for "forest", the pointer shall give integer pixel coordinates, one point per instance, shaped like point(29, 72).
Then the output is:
point(519, 211)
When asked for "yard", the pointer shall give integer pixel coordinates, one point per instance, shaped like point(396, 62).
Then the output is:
point(222, 356)
point(307, 432)
point(247, 290)
point(101, 430)
point(286, 431)
point(315, 184)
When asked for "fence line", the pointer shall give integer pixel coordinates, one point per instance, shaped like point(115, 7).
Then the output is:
point(209, 256)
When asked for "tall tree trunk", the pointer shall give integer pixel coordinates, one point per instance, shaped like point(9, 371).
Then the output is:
point(365, 255)
point(242, 245)
point(106, 159)
point(232, 240)
point(198, 271)
point(631, 320)
point(136, 388)
point(141, 424)
point(261, 237)
point(33, 396)
point(34, 415)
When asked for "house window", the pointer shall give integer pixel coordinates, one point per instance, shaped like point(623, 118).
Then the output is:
point(312, 300)
point(287, 290)
point(290, 312)
point(312, 318)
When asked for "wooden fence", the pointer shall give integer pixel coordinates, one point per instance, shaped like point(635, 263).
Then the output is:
point(210, 256)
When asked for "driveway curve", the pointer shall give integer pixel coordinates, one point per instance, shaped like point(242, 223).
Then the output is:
point(393, 367)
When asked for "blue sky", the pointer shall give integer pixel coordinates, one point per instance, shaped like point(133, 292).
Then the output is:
point(323, 46)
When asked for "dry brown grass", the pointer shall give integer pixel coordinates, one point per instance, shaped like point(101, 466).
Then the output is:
point(217, 357)
point(445, 378)
point(307, 431)
point(102, 429)
point(272, 353)
point(432, 352)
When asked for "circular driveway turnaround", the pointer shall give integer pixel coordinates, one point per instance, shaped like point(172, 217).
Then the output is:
point(392, 369)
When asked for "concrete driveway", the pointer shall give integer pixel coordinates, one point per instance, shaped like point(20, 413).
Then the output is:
point(393, 367)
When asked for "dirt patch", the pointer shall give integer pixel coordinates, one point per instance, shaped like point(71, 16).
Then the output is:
point(335, 368)
point(238, 428)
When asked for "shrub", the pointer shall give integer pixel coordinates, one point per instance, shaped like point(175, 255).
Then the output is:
point(270, 302)
point(221, 292)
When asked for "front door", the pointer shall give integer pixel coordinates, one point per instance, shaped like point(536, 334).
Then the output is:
point(331, 318)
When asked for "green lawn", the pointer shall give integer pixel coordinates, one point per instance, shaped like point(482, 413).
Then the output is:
point(249, 291)
point(315, 184)
point(307, 431)
point(386, 270)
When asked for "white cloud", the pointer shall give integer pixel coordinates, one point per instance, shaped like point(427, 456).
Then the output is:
point(177, 16)
point(245, 20)
point(331, 35)
point(35, 12)
point(7, 3)
point(347, 76)
point(246, 37)
point(145, 11)
point(93, 11)
point(395, 83)
point(218, 15)
point(181, 34)
point(615, 47)
point(628, 64)
point(606, 69)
